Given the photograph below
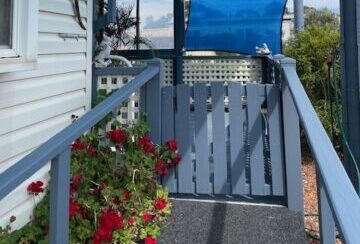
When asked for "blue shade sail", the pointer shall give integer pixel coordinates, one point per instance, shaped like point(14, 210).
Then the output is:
point(235, 25)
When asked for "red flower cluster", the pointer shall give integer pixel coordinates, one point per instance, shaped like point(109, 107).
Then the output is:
point(171, 145)
point(131, 220)
point(127, 195)
point(91, 151)
point(147, 217)
point(117, 136)
point(175, 161)
point(161, 168)
point(102, 186)
point(77, 146)
point(145, 144)
point(109, 221)
point(160, 203)
point(36, 187)
point(74, 208)
point(150, 240)
point(76, 180)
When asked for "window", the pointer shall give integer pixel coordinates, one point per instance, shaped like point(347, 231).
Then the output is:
point(5, 24)
point(18, 39)
point(156, 23)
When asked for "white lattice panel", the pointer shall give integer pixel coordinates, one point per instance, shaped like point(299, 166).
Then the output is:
point(209, 70)
point(194, 70)
point(128, 112)
point(168, 69)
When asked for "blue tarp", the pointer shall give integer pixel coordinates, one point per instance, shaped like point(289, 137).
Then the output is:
point(235, 25)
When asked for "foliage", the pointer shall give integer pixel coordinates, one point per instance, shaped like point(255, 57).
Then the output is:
point(123, 31)
point(115, 196)
point(311, 48)
point(322, 17)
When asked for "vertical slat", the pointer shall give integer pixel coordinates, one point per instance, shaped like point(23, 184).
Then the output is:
point(59, 198)
point(153, 100)
point(168, 131)
point(219, 137)
point(276, 140)
point(255, 97)
point(292, 152)
point(236, 119)
point(182, 133)
point(326, 220)
point(201, 140)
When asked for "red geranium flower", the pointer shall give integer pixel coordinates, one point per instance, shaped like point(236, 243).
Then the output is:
point(149, 149)
point(131, 220)
point(145, 144)
point(74, 208)
point(111, 220)
point(36, 187)
point(147, 217)
point(171, 145)
point(161, 168)
point(176, 161)
point(101, 235)
point(91, 151)
point(144, 140)
point(150, 240)
point(160, 203)
point(127, 195)
point(77, 146)
point(76, 180)
point(102, 186)
point(117, 136)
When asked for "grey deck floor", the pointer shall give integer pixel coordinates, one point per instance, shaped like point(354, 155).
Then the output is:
point(194, 222)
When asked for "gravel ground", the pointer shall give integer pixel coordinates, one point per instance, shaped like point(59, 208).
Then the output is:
point(194, 222)
point(311, 200)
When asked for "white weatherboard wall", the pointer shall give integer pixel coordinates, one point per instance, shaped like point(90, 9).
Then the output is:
point(36, 104)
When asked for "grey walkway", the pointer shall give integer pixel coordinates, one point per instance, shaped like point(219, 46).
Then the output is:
point(222, 223)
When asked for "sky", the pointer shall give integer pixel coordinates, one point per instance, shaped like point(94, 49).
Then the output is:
point(331, 4)
point(159, 7)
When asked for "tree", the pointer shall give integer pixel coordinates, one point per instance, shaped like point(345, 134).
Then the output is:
point(322, 17)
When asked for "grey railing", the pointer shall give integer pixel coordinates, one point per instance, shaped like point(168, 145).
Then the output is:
point(339, 204)
point(57, 149)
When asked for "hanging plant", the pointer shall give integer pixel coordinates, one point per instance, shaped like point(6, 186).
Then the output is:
point(109, 204)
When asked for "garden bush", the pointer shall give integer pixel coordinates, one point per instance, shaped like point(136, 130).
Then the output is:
point(115, 195)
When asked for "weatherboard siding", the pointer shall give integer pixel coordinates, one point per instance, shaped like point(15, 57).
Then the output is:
point(36, 104)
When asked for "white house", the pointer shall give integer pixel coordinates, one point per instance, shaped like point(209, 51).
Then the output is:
point(45, 77)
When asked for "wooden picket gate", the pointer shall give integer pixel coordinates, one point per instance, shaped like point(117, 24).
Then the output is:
point(230, 138)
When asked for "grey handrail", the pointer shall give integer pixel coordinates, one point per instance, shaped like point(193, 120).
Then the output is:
point(338, 199)
point(57, 148)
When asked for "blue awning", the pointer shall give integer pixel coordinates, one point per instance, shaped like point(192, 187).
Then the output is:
point(235, 25)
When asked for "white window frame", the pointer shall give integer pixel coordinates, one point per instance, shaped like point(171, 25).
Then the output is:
point(22, 55)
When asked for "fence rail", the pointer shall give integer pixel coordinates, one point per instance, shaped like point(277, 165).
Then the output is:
point(339, 204)
point(57, 148)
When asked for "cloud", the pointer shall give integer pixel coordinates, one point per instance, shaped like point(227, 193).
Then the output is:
point(162, 22)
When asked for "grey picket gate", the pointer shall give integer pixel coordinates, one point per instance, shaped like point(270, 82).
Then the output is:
point(230, 138)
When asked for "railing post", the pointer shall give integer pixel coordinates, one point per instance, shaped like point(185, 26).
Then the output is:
point(59, 198)
point(292, 146)
point(326, 220)
point(277, 71)
point(150, 100)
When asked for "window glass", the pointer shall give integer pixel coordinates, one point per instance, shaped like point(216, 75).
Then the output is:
point(5, 23)
point(157, 23)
